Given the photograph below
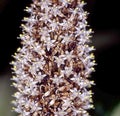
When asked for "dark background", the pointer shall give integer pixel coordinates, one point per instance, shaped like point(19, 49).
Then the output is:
point(104, 19)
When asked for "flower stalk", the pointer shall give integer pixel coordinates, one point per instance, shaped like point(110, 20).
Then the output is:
point(52, 68)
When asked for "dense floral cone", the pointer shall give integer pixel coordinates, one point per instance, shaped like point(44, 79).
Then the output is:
point(52, 69)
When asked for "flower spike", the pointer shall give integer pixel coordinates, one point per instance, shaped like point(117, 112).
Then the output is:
point(51, 71)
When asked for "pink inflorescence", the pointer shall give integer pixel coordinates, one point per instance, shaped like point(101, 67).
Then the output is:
point(51, 71)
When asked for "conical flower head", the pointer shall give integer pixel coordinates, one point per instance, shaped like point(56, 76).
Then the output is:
point(51, 70)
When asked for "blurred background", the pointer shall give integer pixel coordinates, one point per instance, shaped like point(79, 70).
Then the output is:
point(104, 19)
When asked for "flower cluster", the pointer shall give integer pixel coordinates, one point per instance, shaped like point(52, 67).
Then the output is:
point(51, 71)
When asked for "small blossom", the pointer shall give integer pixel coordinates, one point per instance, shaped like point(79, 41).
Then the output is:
point(49, 43)
point(59, 60)
point(64, 3)
point(66, 24)
point(36, 65)
point(57, 79)
point(67, 103)
point(60, 113)
point(45, 17)
point(75, 92)
point(44, 32)
point(45, 4)
point(67, 71)
point(54, 25)
point(56, 11)
point(65, 39)
point(31, 20)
